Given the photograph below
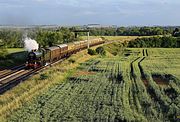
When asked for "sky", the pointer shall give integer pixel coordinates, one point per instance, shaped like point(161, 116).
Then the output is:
point(82, 12)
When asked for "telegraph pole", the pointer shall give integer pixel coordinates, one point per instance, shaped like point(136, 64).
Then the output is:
point(76, 34)
point(88, 39)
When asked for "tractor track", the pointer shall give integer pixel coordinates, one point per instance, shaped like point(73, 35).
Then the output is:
point(133, 78)
point(150, 91)
point(132, 74)
point(143, 77)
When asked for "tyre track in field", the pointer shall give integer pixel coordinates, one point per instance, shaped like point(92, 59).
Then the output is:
point(161, 105)
point(116, 95)
point(133, 88)
point(147, 53)
point(146, 82)
point(143, 77)
point(133, 92)
point(99, 96)
point(114, 83)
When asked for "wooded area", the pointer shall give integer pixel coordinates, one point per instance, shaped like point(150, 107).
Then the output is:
point(160, 42)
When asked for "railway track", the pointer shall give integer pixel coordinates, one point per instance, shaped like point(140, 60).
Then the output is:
point(7, 72)
point(12, 77)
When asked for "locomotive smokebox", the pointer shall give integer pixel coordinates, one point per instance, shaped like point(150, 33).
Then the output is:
point(33, 50)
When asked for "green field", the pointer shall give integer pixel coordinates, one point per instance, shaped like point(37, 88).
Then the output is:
point(117, 38)
point(112, 38)
point(15, 50)
point(142, 85)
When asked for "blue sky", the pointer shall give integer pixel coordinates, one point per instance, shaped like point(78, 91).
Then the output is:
point(80, 12)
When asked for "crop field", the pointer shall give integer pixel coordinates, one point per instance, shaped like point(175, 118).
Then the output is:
point(117, 38)
point(142, 85)
point(112, 38)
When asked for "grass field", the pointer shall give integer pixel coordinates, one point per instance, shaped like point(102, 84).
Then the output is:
point(116, 38)
point(111, 38)
point(140, 85)
point(15, 50)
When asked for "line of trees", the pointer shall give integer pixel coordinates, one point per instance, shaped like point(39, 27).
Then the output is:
point(159, 42)
point(13, 38)
point(48, 37)
point(131, 31)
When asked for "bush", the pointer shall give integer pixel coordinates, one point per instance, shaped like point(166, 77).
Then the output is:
point(71, 60)
point(101, 51)
point(91, 52)
point(163, 42)
point(43, 76)
point(3, 53)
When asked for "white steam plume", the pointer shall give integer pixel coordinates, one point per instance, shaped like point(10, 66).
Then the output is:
point(30, 44)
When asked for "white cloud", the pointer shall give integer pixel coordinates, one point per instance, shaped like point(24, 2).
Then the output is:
point(94, 10)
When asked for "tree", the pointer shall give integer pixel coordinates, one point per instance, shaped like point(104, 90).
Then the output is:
point(91, 52)
point(166, 42)
point(100, 50)
point(3, 51)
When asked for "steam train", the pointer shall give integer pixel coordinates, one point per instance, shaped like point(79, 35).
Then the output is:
point(45, 56)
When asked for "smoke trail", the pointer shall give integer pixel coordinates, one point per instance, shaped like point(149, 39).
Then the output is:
point(30, 44)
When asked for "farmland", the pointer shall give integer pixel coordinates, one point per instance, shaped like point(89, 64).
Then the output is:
point(140, 85)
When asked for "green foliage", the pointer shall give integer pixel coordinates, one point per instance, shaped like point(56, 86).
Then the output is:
point(115, 48)
point(43, 76)
point(91, 52)
point(101, 51)
point(13, 38)
point(163, 42)
point(130, 31)
point(176, 32)
point(50, 38)
point(72, 60)
point(3, 52)
point(112, 89)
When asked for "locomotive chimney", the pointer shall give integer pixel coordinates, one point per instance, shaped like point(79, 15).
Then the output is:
point(39, 46)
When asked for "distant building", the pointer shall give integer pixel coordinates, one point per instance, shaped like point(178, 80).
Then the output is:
point(99, 26)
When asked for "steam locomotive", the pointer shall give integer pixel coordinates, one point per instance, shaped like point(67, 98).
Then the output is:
point(45, 56)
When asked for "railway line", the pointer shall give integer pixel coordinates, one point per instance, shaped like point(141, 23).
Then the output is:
point(12, 77)
point(7, 72)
